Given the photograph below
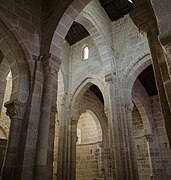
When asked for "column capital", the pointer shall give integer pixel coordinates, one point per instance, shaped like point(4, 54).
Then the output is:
point(142, 17)
point(15, 109)
point(50, 64)
point(129, 107)
point(165, 40)
point(109, 77)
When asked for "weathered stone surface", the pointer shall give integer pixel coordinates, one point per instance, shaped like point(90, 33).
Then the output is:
point(84, 119)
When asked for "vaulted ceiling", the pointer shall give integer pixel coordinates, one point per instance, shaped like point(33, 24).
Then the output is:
point(76, 33)
point(115, 9)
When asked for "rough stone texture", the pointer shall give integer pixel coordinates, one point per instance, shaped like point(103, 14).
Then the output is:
point(88, 150)
point(121, 144)
point(143, 159)
point(24, 17)
point(162, 137)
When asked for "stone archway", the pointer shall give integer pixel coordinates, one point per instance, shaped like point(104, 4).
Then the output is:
point(15, 58)
point(77, 107)
point(147, 140)
point(89, 149)
point(87, 101)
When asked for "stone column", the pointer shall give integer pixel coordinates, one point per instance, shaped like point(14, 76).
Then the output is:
point(149, 138)
point(115, 131)
point(15, 110)
point(72, 150)
point(162, 78)
point(131, 145)
point(101, 167)
point(50, 66)
point(51, 147)
point(63, 148)
point(145, 20)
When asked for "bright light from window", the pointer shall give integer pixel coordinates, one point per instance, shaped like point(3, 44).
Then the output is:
point(130, 1)
point(85, 53)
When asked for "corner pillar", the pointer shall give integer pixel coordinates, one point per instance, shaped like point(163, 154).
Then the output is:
point(145, 20)
point(115, 131)
point(63, 144)
point(130, 140)
point(50, 65)
point(15, 110)
point(72, 149)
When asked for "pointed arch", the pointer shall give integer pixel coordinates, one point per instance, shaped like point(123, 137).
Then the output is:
point(84, 85)
point(60, 28)
point(15, 51)
point(130, 75)
point(142, 102)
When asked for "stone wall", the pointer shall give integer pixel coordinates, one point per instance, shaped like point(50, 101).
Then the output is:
point(159, 126)
point(81, 69)
point(90, 130)
point(88, 154)
point(142, 152)
point(129, 45)
point(87, 161)
point(25, 18)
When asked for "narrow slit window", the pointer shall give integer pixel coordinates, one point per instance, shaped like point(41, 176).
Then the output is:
point(85, 53)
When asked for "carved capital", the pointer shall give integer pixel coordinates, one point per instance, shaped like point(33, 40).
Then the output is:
point(166, 42)
point(15, 109)
point(109, 77)
point(168, 49)
point(142, 16)
point(129, 107)
point(50, 64)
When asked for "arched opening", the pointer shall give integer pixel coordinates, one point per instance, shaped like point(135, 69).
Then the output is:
point(5, 121)
point(85, 52)
point(149, 129)
point(142, 153)
point(91, 155)
point(16, 59)
point(88, 148)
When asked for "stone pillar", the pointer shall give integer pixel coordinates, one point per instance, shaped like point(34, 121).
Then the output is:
point(131, 145)
point(63, 148)
point(50, 156)
point(51, 147)
point(15, 110)
point(149, 138)
point(101, 167)
point(162, 78)
point(50, 66)
point(145, 20)
point(115, 132)
point(72, 150)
